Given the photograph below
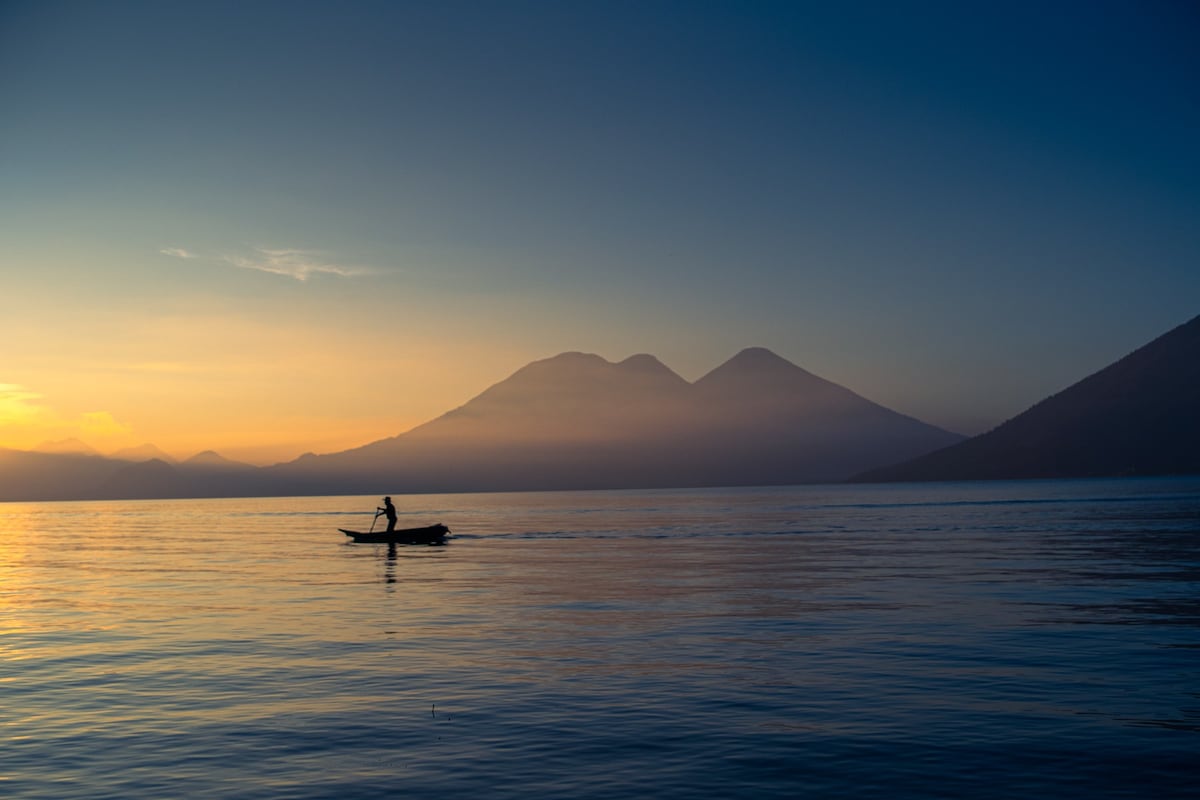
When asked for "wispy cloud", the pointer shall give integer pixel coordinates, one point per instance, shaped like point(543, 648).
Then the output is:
point(293, 263)
point(102, 423)
point(290, 262)
point(178, 252)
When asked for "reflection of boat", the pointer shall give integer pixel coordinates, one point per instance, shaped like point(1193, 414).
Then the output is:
point(433, 534)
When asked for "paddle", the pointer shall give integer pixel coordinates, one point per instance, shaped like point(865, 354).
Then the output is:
point(377, 513)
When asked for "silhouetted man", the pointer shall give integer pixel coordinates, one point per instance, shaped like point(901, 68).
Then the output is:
point(390, 511)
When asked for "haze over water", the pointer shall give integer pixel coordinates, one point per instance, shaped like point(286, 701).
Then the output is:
point(942, 640)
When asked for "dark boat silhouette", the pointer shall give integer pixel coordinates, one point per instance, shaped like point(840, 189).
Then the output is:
point(432, 534)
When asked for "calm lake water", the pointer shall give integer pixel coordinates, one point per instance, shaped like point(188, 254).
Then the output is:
point(1025, 639)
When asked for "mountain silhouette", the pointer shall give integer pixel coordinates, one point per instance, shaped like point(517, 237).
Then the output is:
point(35, 475)
point(765, 417)
point(578, 421)
point(80, 473)
point(212, 460)
point(143, 452)
point(573, 421)
point(150, 479)
point(1138, 416)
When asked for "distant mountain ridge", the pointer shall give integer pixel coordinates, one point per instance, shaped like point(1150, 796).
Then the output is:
point(578, 421)
point(1138, 416)
point(143, 452)
point(572, 421)
point(81, 473)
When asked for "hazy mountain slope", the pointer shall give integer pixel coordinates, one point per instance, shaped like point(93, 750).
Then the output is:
point(556, 423)
point(766, 418)
point(152, 479)
point(210, 459)
point(26, 475)
point(143, 452)
point(1138, 416)
point(30, 476)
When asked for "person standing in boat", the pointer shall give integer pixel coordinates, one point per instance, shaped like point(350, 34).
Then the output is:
point(390, 511)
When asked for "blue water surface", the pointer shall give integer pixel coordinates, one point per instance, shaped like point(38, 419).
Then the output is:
point(992, 640)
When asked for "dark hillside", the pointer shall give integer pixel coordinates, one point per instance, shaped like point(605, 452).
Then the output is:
point(1138, 416)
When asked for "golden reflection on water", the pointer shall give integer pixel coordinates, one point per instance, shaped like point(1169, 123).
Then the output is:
point(17, 583)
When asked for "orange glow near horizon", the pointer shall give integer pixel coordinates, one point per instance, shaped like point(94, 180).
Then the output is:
point(259, 391)
point(243, 430)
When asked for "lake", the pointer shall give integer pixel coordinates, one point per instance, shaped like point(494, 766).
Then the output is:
point(990, 640)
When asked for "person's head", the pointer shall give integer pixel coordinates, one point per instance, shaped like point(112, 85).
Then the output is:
point(387, 499)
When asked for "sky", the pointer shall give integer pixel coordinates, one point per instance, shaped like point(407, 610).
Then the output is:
point(268, 228)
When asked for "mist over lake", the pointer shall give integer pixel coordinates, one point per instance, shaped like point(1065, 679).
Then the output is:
point(936, 640)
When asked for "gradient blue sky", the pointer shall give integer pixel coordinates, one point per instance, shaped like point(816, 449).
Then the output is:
point(270, 227)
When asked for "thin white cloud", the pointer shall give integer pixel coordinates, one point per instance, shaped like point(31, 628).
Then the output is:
point(177, 252)
point(293, 263)
point(287, 261)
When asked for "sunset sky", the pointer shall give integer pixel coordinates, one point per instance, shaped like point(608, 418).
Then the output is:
point(276, 227)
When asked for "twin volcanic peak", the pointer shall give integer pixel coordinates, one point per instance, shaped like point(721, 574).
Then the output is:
point(578, 421)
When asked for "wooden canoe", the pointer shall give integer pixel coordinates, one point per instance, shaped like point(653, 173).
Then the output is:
point(432, 534)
